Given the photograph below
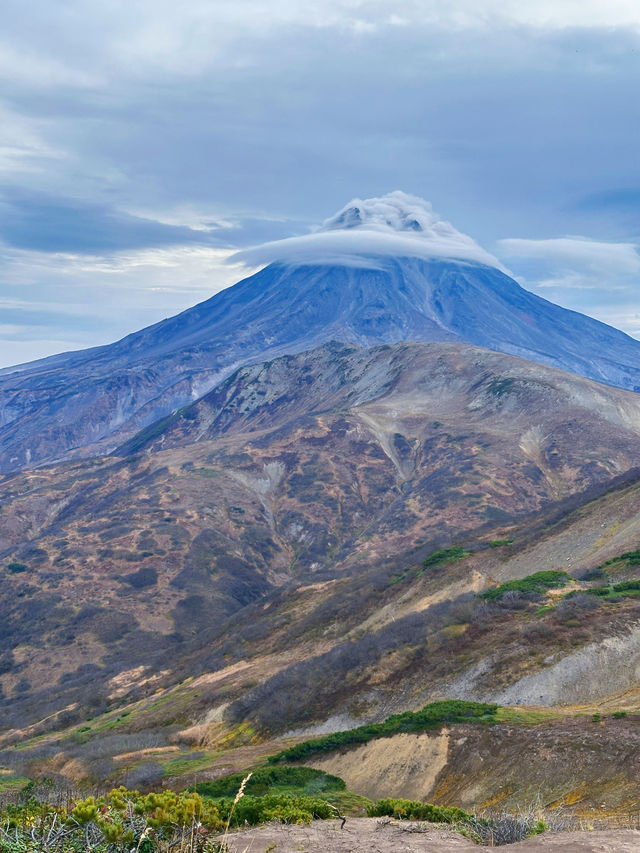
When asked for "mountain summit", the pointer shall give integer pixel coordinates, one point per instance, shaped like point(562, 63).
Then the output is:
point(380, 271)
point(397, 225)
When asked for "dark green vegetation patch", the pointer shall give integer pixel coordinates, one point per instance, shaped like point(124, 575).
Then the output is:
point(438, 558)
point(413, 810)
point(273, 780)
point(279, 807)
point(443, 556)
point(432, 715)
point(539, 582)
point(500, 543)
point(631, 558)
point(616, 591)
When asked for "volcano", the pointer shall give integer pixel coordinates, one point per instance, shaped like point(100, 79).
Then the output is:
point(380, 271)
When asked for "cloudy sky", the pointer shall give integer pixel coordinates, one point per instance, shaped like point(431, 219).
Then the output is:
point(142, 143)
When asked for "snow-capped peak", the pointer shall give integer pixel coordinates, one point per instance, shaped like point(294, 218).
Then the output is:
point(396, 224)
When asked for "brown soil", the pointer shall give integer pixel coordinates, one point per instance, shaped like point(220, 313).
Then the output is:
point(569, 762)
point(402, 766)
point(371, 835)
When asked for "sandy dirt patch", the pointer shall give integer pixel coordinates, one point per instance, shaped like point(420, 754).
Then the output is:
point(405, 765)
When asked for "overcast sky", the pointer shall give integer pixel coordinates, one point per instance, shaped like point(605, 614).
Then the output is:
point(142, 143)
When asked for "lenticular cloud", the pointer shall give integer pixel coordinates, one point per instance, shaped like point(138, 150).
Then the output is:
point(396, 224)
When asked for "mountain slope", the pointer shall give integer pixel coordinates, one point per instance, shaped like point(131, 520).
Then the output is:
point(91, 401)
point(332, 654)
point(464, 385)
point(336, 470)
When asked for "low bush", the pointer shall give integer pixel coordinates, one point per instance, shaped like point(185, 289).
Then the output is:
point(616, 591)
point(632, 558)
point(444, 555)
point(627, 586)
point(122, 821)
point(539, 582)
point(284, 808)
point(413, 810)
point(494, 831)
point(574, 605)
point(513, 599)
point(263, 781)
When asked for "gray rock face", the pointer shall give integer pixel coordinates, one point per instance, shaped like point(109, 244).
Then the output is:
point(93, 400)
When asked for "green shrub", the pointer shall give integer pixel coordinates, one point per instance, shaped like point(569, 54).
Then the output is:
point(599, 590)
point(538, 828)
point(303, 779)
point(619, 715)
point(281, 807)
point(596, 718)
point(632, 558)
point(616, 591)
point(444, 555)
point(413, 810)
point(122, 821)
point(15, 568)
point(493, 831)
point(434, 714)
point(435, 559)
point(539, 582)
point(499, 543)
point(627, 586)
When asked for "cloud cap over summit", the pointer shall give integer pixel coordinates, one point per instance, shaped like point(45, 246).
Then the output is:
point(396, 224)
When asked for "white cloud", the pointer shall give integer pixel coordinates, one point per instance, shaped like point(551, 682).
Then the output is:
point(184, 215)
point(67, 301)
point(625, 316)
point(574, 281)
point(89, 44)
point(612, 258)
point(188, 270)
point(30, 67)
point(396, 224)
point(23, 147)
point(542, 13)
point(597, 278)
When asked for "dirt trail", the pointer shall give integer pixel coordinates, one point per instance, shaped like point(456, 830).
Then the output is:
point(371, 835)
